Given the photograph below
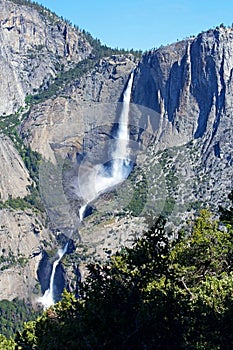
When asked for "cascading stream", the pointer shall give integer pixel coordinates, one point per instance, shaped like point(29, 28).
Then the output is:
point(120, 157)
point(48, 297)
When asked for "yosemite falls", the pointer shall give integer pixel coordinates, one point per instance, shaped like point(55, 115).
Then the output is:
point(102, 178)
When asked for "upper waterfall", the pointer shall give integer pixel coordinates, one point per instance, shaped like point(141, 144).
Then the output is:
point(120, 154)
point(99, 180)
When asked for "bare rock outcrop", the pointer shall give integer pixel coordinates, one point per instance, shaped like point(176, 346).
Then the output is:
point(22, 239)
point(189, 84)
point(14, 176)
point(34, 46)
point(63, 119)
point(188, 87)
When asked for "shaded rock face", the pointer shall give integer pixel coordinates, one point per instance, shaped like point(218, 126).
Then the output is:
point(22, 238)
point(14, 177)
point(44, 274)
point(34, 46)
point(189, 83)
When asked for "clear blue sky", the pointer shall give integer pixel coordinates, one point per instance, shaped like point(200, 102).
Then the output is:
point(143, 24)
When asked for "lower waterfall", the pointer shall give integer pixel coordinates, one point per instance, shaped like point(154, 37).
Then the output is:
point(48, 298)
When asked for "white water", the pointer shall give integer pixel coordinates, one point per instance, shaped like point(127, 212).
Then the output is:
point(81, 212)
point(97, 182)
point(48, 298)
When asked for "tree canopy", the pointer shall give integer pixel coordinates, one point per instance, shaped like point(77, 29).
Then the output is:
point(161, 294)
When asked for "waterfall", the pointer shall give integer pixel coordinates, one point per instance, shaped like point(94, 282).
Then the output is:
point(82, 212)
point(120, 154)
point(100, 181)
point(120, 151)
point(48, 298)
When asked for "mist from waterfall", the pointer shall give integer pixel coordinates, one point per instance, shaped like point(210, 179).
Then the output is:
point(48, 298)
point(100, 180)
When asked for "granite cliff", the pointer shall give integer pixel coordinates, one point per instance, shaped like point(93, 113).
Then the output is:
point(189, 84)
point(35, 46)
point(14, 175)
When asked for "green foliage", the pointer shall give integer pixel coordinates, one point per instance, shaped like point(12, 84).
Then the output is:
point(7, 260)
point(62, 79)
point(32, 161)
point(31, 201)
point(138, 197)
point(10, 260)
point(168, 207)
point(13, 314)
point(161, 294)
point(9, 126)
point(99, 50)
point(15, 203)
point(6, 344)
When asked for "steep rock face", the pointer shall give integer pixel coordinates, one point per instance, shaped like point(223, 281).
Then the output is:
point(34, 45)
point(106, 82)
point(63, 119)
point(14, 177)
point(22, 237)
point(189, 84)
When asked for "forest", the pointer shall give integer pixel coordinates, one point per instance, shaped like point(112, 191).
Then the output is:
point(166, 292)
